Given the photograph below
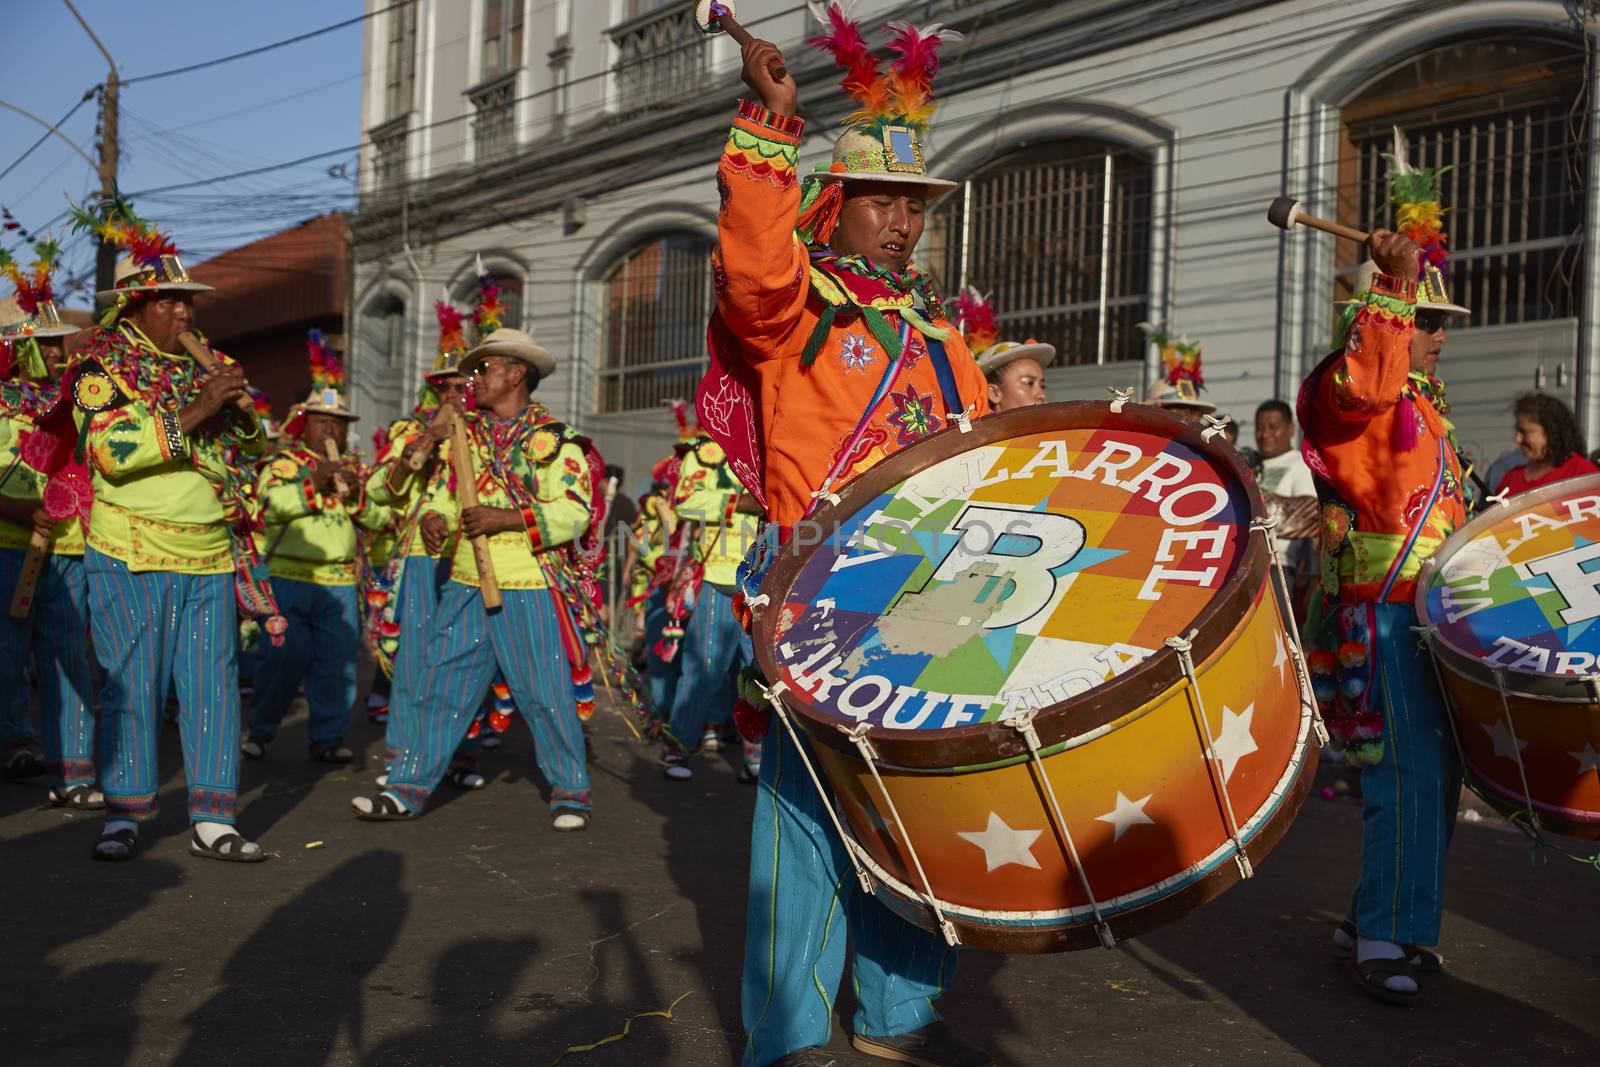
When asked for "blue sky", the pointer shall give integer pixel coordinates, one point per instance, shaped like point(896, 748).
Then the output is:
point(291, 102)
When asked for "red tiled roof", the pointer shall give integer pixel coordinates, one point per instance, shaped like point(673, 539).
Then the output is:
point(288, 279)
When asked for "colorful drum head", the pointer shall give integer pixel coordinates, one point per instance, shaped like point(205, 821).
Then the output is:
point(1513, 606)
point(1031, 563)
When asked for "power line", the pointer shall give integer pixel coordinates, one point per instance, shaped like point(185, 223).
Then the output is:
point(266, 47)
point(88, 94)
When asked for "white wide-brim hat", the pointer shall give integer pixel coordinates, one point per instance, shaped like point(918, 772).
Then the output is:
point(896, 157)
point(1000, 353)
point(44, 323)
point(168, 277)
point(513, 344)
point(1164, 394)
point(1431, 292)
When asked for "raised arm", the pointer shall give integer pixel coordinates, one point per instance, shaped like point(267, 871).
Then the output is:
point(1366, 381)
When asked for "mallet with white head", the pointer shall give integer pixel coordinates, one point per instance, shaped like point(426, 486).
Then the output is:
point(1285, 214)
point(717, 16)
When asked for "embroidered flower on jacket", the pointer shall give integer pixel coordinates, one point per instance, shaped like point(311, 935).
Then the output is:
point(855, 353)
point(912, 415)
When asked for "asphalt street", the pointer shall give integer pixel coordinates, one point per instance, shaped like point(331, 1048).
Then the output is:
point(476, 935)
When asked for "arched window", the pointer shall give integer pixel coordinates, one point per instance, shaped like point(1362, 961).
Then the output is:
point(653, 324)
point(466, 296)
point(1504, 112)
point(383, 349)
point(1059, 234)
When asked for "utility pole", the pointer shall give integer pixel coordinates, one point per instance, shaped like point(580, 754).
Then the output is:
point(105, 253)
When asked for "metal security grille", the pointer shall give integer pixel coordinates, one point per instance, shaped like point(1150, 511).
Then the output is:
point(389, 155)
point(1059, 235)
point(494, 119)
point(661, 58)
point(1506, 118)
point(653, 325)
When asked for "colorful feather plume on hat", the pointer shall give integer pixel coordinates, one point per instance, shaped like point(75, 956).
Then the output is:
point(33, 284)
point(1414, 194)
point(116, 222)
point(327, 372)
point(975, 317)
point(1180, 357)
point(262, 402)
point(902, 95)
point(490, 313)
point(452, 337)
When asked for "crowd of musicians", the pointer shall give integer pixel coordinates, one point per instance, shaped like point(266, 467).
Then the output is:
point(165, 544)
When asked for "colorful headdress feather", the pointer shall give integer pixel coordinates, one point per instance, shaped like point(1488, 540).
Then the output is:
point(1180, 357)
point(452, 338)
point(32, 285)
point(116, 222)
point(975, 317)
point(489, 315)
point(899, 96)
point(1414, 194)
point(327, 372)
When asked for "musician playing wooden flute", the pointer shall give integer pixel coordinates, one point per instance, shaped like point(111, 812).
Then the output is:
point(167, 444)
point(1382, 450)
point(53, 622)
point(537, 486)
point(312, 510)
point(851, 358)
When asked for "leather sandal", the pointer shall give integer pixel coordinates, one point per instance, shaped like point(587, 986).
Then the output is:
point(933, 1045)
point(230, 848)
point(1423, 960)
point(22, 764)
point(115, 846)
point(384, 808)
point(1371, 975)
point(78, 797)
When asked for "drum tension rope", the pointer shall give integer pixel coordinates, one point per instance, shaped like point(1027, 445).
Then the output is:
point(774, 696)
point(1022, 722)
point(1184, 647)
point(1119, 398)
point(858, 736)
point(1308, 700)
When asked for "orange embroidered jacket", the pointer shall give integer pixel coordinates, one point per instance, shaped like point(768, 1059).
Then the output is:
point(1391, 481)
point(809, 385)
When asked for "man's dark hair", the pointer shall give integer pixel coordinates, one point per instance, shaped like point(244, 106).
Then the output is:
point(1275, 405)
point(1562, 439)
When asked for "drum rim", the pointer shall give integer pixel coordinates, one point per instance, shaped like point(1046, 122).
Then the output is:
point(1540, 683)
point(991, 741)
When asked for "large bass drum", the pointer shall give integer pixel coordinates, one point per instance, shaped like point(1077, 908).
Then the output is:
point(1043, 665)
point(1510, 605)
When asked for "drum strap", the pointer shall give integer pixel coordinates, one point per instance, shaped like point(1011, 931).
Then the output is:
point(1416, 530)
point(953, 406)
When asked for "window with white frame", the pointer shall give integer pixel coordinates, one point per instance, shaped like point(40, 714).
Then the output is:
point(502, 38)
point(382, 347)
point(1058, 234)
point(400, 61)
point(1505, 115)
point(653, 316)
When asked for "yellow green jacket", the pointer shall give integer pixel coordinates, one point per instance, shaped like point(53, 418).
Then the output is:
point(311, 536)
point(650, 535)
point(706, 494)
point(529, 463)
point(414, 487)
point(24, 483)
point(163, 500)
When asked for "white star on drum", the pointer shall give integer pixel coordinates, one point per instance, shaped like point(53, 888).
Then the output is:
point(1504, 744)
point(1126, 814)
point(1235, 741)
point(1588, 759)
point(1281, 656)
point(1002, 845)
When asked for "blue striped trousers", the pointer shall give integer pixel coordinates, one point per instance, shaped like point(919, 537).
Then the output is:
point(152, 630)
point(320, 649)
point(802, 888)
point(467, 645)
point(663, 674)
point(421, 578)
point(714, 649)
point(1410, 795)
point(58, 631)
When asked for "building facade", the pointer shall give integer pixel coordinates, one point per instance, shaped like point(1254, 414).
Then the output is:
point(1116, 159)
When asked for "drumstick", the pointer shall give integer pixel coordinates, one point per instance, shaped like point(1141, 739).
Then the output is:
point(208, 359)
point(715, 15)
point(467, 497)
point(28, 580)
point(1284, 213)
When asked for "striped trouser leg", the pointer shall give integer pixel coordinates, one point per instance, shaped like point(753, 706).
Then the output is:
point(16, 727)
point(527, 644)
point(663, 675)
point(331, 675)
point(61, 653)
point(205, 672)
point(419, 596)
point(800, 885)
point(899, 969)
point(1410, 795)
point(710, 656)
point(281, 668)
point(134, 618)
point(460, 662)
